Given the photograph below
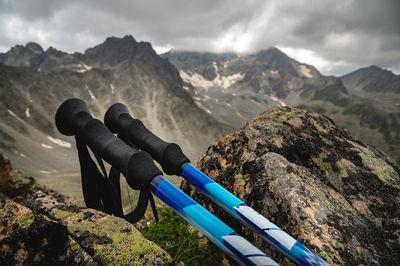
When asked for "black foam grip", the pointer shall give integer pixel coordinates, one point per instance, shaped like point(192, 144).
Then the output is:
point(137, 166)
point(169, 155)
point(143, 166)
point(102, 142)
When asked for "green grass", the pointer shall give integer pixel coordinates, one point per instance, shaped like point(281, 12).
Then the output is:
point(175, 236)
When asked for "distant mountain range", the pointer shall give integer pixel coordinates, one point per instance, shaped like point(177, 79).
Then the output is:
point(35, 82)
point(187, 97)
point(234, 88)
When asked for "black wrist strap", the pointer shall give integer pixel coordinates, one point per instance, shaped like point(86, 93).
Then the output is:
point(90, 177)
point(102, 192)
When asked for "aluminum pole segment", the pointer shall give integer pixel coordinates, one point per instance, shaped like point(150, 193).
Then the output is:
point(213, 228)
point(278, 238)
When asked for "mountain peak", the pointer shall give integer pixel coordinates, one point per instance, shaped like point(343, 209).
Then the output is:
point(272, 51)
point(34, 46)
point(53, 51)
point(373, 71)
point(372, 79)
point(127, 39)
point(378, 69)
point(113, 51)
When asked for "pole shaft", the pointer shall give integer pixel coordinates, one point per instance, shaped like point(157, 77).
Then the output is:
point(278, 238)
point(214, 229)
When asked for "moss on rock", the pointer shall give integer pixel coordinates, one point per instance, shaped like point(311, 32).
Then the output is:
point(25, 220)
point(378, 166)
point(108, 239)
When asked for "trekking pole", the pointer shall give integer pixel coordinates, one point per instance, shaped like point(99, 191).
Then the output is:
point(174, 162)
point(73, 118)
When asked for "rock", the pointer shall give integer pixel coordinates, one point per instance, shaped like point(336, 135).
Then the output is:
point(28, 238)
point(107, 239)
point(5, 167)
point(44, 227)
point(337, 195)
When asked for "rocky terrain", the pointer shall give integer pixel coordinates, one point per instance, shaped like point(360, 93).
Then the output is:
point(337, 195)
point(234, 88)
point(41, 227)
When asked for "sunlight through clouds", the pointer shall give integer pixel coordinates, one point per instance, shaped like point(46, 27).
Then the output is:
point(324, 66)
point(234, 40)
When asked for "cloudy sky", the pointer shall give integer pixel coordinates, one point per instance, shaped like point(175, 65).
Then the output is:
point(335, 36)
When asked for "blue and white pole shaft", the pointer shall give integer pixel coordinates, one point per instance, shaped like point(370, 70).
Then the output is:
point(174, 161)
point(251, 218)
point(213, 228)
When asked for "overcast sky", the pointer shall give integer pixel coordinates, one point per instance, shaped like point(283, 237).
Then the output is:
point(335, 36)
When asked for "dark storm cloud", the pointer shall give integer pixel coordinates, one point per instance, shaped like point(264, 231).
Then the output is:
point(358, 31)
point(341, 34)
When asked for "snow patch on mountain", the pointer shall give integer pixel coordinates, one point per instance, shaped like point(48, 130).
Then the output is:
point(44, 172)
point(60, 142)
point(46, 146)
point(27, 112)
point(83, 68)
point(225, 81)
point(278, 100)
point(90, 92)
point(198, 80)
point(202, 107)
point(14, 115)
point(305, 71)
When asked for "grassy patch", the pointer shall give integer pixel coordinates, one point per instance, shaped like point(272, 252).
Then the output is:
point(175, 236)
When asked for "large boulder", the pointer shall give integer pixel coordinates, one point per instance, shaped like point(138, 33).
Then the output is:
point(41, 227)
point(338, 196)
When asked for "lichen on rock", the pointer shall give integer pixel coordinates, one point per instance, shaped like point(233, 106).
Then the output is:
point(334, 193)
point(28, 238)
point(44, 228)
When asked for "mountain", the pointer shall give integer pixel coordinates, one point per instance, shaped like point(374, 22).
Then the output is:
point(380, 86)
point(372, 79)
point(118, 70)
point(205, 92)
point(237, 87)
point(234, 88)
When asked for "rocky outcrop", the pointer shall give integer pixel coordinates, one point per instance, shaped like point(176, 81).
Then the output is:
point(41, 227)
point(337, 195)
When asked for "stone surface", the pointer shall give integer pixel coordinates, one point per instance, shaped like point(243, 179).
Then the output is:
point(5, 167)
point(108, 239)
point(41, 227)
point(337, 195)
point(27, 238)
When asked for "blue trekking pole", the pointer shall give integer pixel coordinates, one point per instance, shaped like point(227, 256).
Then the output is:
point(174, 162)
point(73, 118)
